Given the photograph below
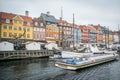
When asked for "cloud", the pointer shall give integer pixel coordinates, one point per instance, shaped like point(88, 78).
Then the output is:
point(104, 12)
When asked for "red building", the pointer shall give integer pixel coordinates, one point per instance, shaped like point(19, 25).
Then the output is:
point(85, 34)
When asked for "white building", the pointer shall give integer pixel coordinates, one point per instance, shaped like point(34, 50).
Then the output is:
point(6, 46)
point(116, 37)
point(33, 46)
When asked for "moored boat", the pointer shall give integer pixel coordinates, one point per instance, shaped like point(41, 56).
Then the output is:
point(82, 62)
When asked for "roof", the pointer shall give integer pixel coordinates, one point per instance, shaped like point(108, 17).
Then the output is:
point(91, 27)
point(5, 15)
point(61, 21)
point(83, 27)
point(49, 18)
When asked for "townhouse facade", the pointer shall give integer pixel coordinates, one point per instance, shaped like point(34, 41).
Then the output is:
point(65, 35)
point(14, 26)
point(38, 30)
point(76, 35)
point(85, 34)
point(47, 28)
point(99, 33)
point(51, 27)
point(116, 38)
point(92, 34)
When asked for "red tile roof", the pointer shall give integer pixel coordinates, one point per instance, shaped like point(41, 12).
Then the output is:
point(5, 15)
point(61, 21)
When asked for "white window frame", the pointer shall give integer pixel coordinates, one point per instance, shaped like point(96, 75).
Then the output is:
point(7, 20)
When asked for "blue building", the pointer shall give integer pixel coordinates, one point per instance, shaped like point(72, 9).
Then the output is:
point(76, 35)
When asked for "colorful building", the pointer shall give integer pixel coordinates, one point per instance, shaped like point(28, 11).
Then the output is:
point(13, 26)
point(76, 35)
point(99, 33)
point(39, 30)
point(65, 30)
point(92, 34)
point(116, 37)
point(85, 34)
point(51, 28)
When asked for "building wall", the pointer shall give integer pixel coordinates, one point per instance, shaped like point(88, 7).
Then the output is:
point(15, 28)
point(85, 34)
point(39, 30)
point(52, 33)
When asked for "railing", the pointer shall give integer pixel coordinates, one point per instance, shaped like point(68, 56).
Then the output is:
point(20, 54)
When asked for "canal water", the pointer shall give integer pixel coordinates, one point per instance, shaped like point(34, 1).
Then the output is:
point(44, 69)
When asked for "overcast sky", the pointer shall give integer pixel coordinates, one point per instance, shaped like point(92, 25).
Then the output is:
point(103, 12)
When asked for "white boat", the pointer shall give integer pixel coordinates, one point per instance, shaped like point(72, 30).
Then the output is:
point(70, 54)
point(78, 63)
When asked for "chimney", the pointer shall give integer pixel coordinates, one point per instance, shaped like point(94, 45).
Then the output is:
point(26, 13)
point(60, 18)
point(48, 13)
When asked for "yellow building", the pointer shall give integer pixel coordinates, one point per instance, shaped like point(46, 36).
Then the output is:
point(13, 26)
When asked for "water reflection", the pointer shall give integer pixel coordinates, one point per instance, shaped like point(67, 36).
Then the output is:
point(44, 69)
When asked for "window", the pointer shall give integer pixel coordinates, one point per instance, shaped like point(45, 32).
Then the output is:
point(7, 20)
point(15, 28)
point(34, 28)
point(15, 21)
point(28, 23)
point(20, 28)
point(20, 35)
point(25, 36)
point(37, 35)
point(41, 24)
point(48, 23)
point(40, 36)
point(28, 35)
point(10, 34)
point(5, 26)
point(5, 34)
point(15, 34)
point(28, 29)
point(10, 27)
point(36, 23)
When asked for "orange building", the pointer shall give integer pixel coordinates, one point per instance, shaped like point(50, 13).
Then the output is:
point(51, 27)
point(99, 33)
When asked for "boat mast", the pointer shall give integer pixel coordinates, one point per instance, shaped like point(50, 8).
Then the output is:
point(73, 30)
point(62, 29)
point(105, 37)
point(108, 36)
point(119, 33)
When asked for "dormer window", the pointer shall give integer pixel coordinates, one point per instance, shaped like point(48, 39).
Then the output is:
point(28, 23)
point(7, 20)
point(48, 23)
point(36, 23)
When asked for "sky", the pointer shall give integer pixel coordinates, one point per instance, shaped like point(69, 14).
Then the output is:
point(103, 12)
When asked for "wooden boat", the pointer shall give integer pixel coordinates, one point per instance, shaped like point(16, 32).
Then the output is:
point(78, 63)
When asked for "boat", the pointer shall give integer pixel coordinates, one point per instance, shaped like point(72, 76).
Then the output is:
point(82, 62)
